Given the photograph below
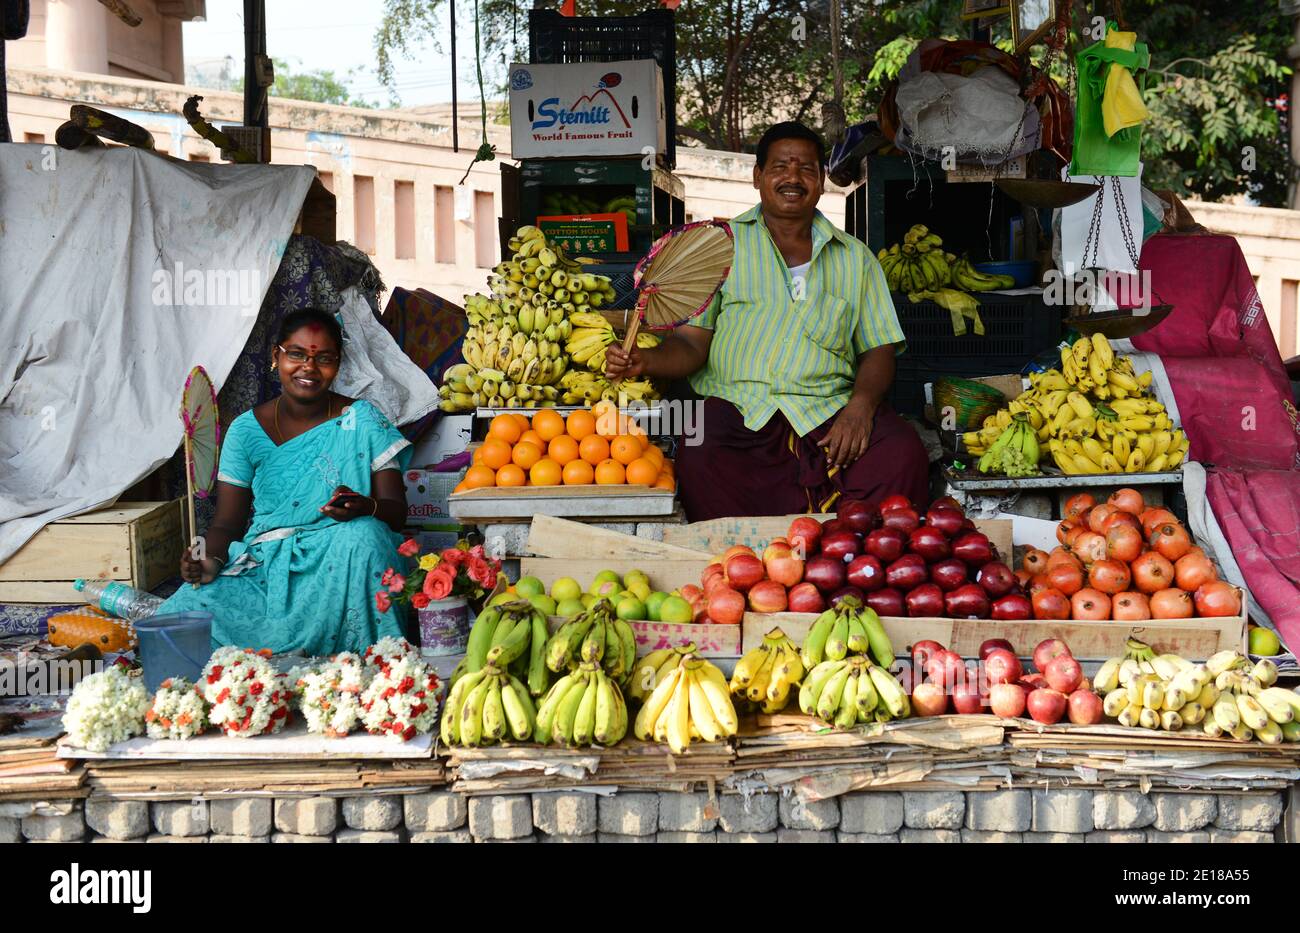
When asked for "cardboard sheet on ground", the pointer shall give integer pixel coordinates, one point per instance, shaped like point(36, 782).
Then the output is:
point(294, 742)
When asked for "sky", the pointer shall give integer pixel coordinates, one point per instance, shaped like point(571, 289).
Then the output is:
point(338, 36)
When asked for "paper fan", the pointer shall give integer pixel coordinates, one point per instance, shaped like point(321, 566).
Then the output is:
point(677, 279)
point(202, 438)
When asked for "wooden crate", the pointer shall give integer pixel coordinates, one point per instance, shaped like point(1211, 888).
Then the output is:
point(710, 640)
point(134, 542)
point(1194, 639)
point(666, 575)
point(492, 504)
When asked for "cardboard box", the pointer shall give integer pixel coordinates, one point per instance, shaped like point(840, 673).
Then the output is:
point(586, 110)
point(448, 437)
point(427, 517)
point(586, 233)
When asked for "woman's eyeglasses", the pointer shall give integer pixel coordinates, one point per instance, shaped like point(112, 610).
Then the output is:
point(299, 356)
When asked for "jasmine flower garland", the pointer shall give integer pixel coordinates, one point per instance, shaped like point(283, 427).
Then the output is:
point(247, 694)
point(177, 712)
point(331, 695)
point(402, 698)
point(389, 649)
point(106, 707)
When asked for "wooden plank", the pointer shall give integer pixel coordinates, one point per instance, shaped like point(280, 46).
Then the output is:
point(68, 551)
point(156, 545)
point(902, 632)
point(555, 537)
point(586, 501)
point(664, 575)
point(711, 641)
point(48, 592)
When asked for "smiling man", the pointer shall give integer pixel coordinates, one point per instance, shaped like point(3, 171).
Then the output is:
point(794, 358)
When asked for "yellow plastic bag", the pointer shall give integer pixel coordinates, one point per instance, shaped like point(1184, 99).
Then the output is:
point(1121, 102)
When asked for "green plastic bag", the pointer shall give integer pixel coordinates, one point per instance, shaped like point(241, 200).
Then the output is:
point(1095, 153)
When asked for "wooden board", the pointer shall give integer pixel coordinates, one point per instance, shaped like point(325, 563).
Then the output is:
point(138, 543)
point(664, 575)
point(293, 743)
point(489, 503)
point(555, 537)
point(711, 641)
point(1194, 639)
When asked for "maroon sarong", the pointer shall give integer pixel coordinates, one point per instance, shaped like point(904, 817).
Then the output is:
point(773, 471)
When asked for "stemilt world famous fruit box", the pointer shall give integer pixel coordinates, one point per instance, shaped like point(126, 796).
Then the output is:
point(586, 109)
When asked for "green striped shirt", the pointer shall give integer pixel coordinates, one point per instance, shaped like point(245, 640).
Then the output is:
point(774, 350)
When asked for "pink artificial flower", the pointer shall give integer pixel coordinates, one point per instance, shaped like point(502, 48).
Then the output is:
point(387, 578)
point(382, 601)
point(437, 585)
point(480, 572)
point(397, 584)
point(409, 548)
point(454, 556)
point(419, 600)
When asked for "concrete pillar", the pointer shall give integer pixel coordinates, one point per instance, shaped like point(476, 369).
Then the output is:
point(76, 36)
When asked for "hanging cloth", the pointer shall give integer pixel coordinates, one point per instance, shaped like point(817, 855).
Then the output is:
point(1109, 113)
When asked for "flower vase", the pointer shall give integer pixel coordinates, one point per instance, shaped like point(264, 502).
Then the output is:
point(444, 626)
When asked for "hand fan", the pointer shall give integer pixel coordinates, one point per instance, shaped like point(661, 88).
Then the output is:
point(677, 279)
point(202, 439)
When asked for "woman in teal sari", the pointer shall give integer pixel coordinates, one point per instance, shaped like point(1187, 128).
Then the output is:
point(309, 502)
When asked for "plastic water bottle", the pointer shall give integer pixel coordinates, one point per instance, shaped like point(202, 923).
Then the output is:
point(119, 599)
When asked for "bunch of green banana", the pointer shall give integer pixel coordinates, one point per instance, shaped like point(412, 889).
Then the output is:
point(850, 629)
point(1015, 452)
point(968, 278)
point(692, 701)
point(510, 636)
point(650, 670)
point(585, 707)
point(1249, 705)
point(487, 706)
point(767, 673)
point(918, 264)
point(594, 635)
point(852, 690)
point(1092, 416)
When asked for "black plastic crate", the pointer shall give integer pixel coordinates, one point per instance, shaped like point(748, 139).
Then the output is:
point(1015, 326)
point(620, 278)
point(556, 39)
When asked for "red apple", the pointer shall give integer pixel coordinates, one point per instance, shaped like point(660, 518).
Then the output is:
point(1046, 706)
point(1007, 700)
point(1012, 607)
point(1063, 673)
point(846, 592)
point(924, 650)
point(805, 536)
point(906, 573)
point(842, 544)
point(735, 549)
point(726, 606)
point(743, 571)
point(974, 548)
point(1002, 667)
point(946, 668)
point(700, 611)
point(996, 578)
point(805, 597)
point(905, 520)
point(945, 520)
point(967, 602)
point(948, 574)
point(767, 596)
point(925, 601)
point(930, 543)
point(1047, 649)
point(1033, 681)
point(832, 525)
point(929, 699)
point(895, 502)
point(968, 698)
point(782, 565)
point(866, 573)
point(860, 516)
point(992, 644)
point(949, 502)
point(691, 593)
point(885, 544)
point(887, 602)
point(825, 573)
point(1085, 708)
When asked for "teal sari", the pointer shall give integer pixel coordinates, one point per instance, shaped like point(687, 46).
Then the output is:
point(301, 581)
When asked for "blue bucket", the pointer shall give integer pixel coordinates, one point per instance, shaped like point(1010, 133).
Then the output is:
point(176, 645)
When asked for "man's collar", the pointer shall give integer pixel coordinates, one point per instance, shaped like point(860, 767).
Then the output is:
point(823, 229)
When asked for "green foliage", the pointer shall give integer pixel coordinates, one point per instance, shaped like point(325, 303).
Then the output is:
point(321, 86)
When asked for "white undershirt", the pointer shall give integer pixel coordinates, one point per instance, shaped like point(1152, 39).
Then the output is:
point(798, 277)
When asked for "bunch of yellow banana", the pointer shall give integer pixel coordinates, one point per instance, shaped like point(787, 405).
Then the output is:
point(918, 264)
point(1092, 416)
point(650, 670)
point(487, 706)
point(851, 691)
point(691, 702)
point(1249, 706)
point(584, 707)
point(767, 673)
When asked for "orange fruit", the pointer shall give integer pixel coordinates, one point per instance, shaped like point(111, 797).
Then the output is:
point(606, 414)
point(578, 473)
point(641, 472)
point(668, 467)
point(479, 476)
point(461, 487)
point(525, 454)
point(511, 475)
point(594, 449)
point(580, 424)
point(545, 472)
point(562, 449)
point(548, 423)
point(635, 430)
point(521, 420)
point(506, 428)
point(625, 448)
point(665, 481)
point(654, 455)
point(495, 453)
point(477, 456)
point(610, 473)
point(532, 437)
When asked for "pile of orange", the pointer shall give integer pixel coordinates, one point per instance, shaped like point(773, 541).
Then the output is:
point(596, 445)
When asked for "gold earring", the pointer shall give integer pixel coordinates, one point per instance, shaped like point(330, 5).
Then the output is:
point(274, 365)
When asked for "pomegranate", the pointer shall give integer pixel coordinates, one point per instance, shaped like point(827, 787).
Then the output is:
point(1172, 603)
point(1122, 518)
point(743, 571)
point(1090, 605)
point(1007, 700)
point(903, 519)
point(1046, 706)
point(1171, 540)
point(1153, 517)
point(1123, 542)
point(1191, 571)
point(1023, 577)
point(930, 543)
point(929, 699)
point(924, 601)
point(948, 574)
point(946, 520)
point(1039, 582)
point(805, 536)
point(866, 573)
point(889, 503)
point(1152, 572)
point(825, 573)
point(887, 602)
point(974, 548)
point(804, 597)
point(859, 516)
point(1002, 667)
point(1063, 673)
point(1127, 500)
point(885, 544)
point(907, 572)
point(967, 602)
point(1078, 503)
point(1130, 607)
point(1034, 561)
point(1060, 555)
point(1109, 576)
point(1098, 515)
point(1218, 598)
point(1074, 534)
point(1048, 649)
point(1089, 547)
point(1065, 529)
point(1012, 607)
point(1066, 577)
point(1051, 603)
point(989, 645)
point(996, 578)
point(767, 596)
point(726, 606)
point(1085, 708)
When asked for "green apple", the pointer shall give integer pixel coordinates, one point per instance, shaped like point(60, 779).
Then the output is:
point(544, 603)
point(675, 609)
point(641, 589)
point(1263, 641)
point(652, 604)
point(530, 586)
point(569, 608)
point(588, 599)
point(633, 576)
point(606, 576)
point(565, 588)
point(630, 608)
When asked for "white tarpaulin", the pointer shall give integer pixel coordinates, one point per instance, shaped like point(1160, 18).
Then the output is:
point(119, 271)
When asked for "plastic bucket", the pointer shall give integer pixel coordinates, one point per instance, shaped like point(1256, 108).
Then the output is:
point(176, 645)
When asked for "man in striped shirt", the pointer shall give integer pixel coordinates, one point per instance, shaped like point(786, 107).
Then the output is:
point(794, 358)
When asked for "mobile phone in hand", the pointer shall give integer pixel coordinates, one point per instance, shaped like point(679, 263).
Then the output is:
point(342, 498)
